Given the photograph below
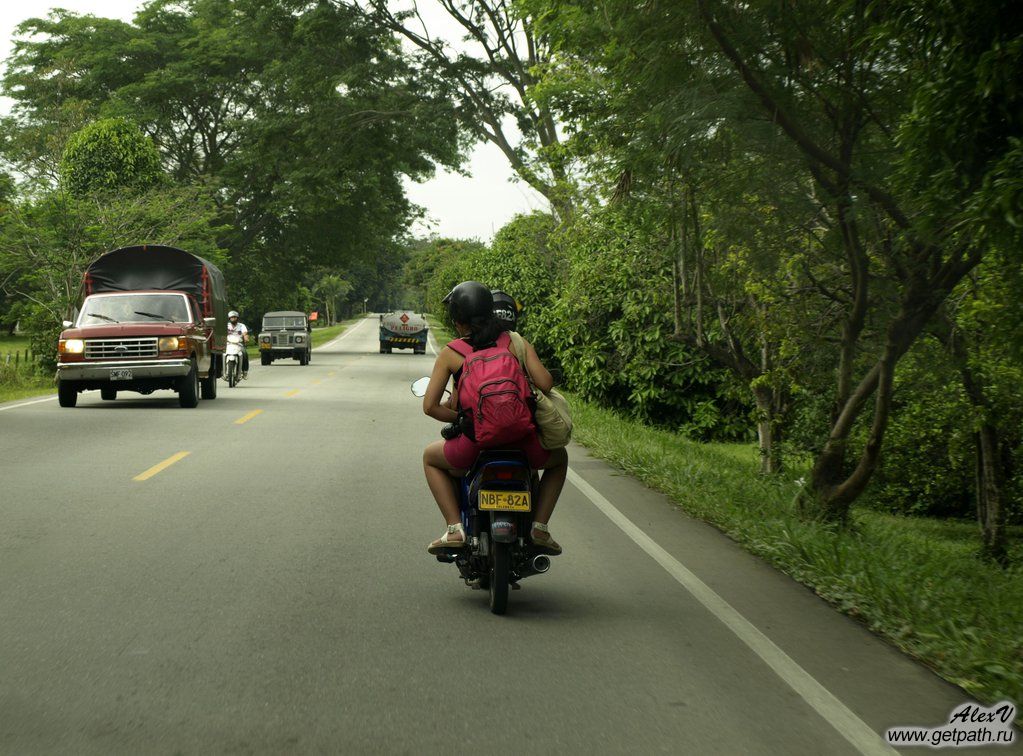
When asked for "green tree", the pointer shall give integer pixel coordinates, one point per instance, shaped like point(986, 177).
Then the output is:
point(109, 154)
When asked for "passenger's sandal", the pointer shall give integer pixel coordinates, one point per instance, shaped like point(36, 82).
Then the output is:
point(445, 543)
point(541, 538)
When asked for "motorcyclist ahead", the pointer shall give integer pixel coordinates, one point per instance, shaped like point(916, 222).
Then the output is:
point(235, 326)
point(471, 309)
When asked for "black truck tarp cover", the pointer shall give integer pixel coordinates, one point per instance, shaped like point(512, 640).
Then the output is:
point(151, 266)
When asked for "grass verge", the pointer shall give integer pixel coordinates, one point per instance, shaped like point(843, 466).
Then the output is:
point(916, 581)
point(20, 381)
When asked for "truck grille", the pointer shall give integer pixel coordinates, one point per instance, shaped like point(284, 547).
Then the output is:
point(282, 339)
point(119, 349)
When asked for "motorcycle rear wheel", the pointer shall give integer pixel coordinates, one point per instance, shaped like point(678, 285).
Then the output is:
point(500, 564)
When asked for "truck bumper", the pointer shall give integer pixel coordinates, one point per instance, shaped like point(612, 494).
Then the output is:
point(100, 371)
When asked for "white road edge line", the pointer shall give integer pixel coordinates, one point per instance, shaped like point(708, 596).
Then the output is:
point(25, 404)
point(837, 714)
point(332, 342)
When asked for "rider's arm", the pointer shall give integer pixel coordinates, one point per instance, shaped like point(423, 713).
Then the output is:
point(541, 376)
point(442, 370)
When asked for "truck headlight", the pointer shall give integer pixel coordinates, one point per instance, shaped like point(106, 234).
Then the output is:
point(265, 339)
point(171, 344)
point(71, 346)
point(298, 339)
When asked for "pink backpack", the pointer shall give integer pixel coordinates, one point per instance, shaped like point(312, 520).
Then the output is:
point(494, 392)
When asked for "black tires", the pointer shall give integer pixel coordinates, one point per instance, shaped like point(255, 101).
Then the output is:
point(500, 566)
point(232, 374)
point(108, 394)
point(265, 359)
point(303, 359)
point(208, 385)
point(67, 394)
point(188, 388)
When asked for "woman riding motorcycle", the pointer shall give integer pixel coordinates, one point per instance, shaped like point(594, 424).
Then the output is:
point(471, 308)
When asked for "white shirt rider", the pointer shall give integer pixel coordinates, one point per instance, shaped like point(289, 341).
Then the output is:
point(236, 326)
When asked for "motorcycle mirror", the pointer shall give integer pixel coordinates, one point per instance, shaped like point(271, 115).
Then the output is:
point(419, 386)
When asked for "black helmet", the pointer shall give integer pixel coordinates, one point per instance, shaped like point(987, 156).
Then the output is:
point(469, 300)
point(506, 309)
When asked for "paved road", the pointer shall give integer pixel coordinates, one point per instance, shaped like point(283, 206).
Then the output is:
point(269, 591)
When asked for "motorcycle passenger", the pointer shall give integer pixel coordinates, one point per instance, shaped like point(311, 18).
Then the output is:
point(234, 326)
point(471, 308)
point(506, 310)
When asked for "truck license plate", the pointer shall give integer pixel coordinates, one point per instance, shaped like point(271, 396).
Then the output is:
point(515, 501)
point(122, 374)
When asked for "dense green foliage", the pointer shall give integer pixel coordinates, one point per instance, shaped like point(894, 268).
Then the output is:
point(107, 155)
point(295, 122)
point(802, 219)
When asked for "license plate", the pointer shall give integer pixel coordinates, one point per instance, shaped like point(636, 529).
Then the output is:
point(514, 501)
point(120, 375)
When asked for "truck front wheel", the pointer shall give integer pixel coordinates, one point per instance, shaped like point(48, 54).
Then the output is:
point(188, 389)
point(265, 359)
point(67, 394)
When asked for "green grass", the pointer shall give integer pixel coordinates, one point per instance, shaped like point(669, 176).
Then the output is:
point(21, 381)
point(13, 344)
point(916, 581)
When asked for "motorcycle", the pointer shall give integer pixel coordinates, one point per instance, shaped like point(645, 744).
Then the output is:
point(233, 359)
point(496, 499)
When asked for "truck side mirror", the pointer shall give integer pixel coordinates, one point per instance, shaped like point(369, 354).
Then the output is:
point(210, 322)
point(66, 324)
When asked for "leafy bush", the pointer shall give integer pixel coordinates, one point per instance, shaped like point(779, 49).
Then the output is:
point(107, 155)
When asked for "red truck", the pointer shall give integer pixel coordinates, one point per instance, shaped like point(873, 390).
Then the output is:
point(152, 318)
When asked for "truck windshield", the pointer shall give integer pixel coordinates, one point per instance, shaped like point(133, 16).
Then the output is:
point(285, 321)
point(134, 308)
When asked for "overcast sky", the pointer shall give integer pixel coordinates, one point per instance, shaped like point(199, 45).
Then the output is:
point(457, 206)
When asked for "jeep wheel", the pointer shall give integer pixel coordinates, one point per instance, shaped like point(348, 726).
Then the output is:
point(67, 394)
point(188, 389)
point(303, 359)
point(208, 385)
point(265, 359)
point(108, 394)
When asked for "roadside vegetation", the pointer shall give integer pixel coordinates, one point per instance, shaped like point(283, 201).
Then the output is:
point(20, 373)
point(918, 581)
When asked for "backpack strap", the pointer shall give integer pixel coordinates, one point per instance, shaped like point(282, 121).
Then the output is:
point(518, 348)
point(460, 346)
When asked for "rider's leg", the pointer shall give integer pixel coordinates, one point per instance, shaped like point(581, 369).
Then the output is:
point(551, 483)
point(442, 485)
point(245, 361)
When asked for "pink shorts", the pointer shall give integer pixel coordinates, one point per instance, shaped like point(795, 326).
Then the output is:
point(461, 451)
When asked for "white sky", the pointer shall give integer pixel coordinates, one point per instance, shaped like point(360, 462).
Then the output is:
point(457, 206)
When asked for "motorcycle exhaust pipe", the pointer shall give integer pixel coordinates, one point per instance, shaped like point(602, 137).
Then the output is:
point(541, 563)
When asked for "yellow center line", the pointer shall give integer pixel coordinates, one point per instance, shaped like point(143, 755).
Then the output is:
point(316, 382)
point(331, 375)
point(162, 466)
point(292, 392)
point(247, 417)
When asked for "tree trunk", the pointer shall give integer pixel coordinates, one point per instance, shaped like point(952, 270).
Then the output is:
point(990, 513)
point(767, 436)
point(988, 459)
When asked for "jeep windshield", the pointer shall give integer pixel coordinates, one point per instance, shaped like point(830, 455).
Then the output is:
point(102, 309)
point(284, 321)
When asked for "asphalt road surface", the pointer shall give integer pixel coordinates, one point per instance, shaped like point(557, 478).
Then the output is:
point(250, 576)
